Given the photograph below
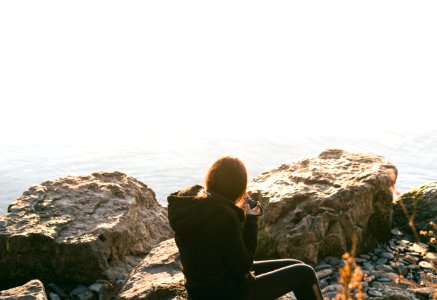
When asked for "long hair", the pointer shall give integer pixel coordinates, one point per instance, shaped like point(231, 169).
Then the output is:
point(228, 177)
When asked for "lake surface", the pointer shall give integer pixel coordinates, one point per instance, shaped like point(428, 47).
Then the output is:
point(167, 164)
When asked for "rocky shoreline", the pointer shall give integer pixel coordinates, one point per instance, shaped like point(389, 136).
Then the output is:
point(105, 236)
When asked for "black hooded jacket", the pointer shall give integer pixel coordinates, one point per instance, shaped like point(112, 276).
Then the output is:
point(216, 242)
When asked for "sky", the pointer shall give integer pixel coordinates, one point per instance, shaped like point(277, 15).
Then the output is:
point(89, 69)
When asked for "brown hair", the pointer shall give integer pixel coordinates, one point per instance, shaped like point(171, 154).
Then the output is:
point(228, 177)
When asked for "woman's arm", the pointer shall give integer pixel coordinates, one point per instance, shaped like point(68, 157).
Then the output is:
point(239, 246)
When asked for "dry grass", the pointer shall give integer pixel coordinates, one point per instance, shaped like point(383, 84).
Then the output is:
point(351, 277)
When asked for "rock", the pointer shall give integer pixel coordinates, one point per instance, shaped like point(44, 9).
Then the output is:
point(324, 273)
point(333, 288)
point(368, 266)
point(104, 289)
point(53, 296)
point(34, 289)
point(321, 267)
point(425, 265)
point(424, 199)
point(400, 268)
point(430, 256)
point(51, 287)
point(80, 229)
point(374, 293)
point(395, 231)
point(387, 255)
point(334, 261)
point(289, 296)
point(82, 293)
point(330, 295)
point(314, 206)
point(413, 267)
point(365, 256)
point(158, 276)
point(419, 248)
point(381, 261)
point(384, 268)
point(425, 291)
point(359, 260)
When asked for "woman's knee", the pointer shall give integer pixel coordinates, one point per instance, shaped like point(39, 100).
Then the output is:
point(290, 261)
point(307, 271)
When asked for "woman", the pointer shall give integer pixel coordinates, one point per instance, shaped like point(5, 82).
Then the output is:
point(216, 233)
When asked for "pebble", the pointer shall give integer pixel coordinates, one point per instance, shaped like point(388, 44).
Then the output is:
point(387, 255)
point(365, 256)
point(368, 266)
point(360, 260)
point(378, 251)
point(400, 268)
point(57, 290)
point(321, 267)
point(330, 295)
point(82, 293)
point(425, 291)
point(324, 273)
point(382, 268)
point(381, 261)
point(53, 296)
point(425, 265)
point(419, 248)
point(374, 293)
point(413, 267)
point(396, 231)
point(430, 256)
point(333, 288)
point(334, 261)
point(383, 279)
point(410, 258)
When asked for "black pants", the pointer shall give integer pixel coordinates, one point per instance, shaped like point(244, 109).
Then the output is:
point(275, 278)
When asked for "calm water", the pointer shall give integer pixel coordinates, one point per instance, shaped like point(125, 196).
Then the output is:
point(167, 164)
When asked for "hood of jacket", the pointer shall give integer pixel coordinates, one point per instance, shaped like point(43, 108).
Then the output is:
point(191, 207)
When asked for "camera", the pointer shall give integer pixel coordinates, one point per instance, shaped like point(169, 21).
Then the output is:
point(252, 203)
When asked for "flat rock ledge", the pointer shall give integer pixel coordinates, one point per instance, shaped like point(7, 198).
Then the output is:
point(33, 290)
point(79, 229)
point(157, 277)
point(314, 207)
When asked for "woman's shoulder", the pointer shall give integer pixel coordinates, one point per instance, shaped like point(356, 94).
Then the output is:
point(194, 190)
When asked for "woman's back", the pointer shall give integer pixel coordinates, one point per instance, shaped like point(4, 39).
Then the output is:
point(206, 226)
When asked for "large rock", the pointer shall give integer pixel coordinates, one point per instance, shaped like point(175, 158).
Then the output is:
point(33, 290)
point(313, 207)
point(420, 204)
point(157, 277)
point(79, 229)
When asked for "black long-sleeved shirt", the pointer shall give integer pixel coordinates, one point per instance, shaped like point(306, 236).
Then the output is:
point(216, 241)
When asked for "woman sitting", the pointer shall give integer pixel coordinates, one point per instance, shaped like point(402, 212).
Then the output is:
point(216, 233)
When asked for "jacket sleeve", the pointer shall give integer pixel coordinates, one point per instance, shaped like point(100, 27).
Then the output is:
point(250, 233)
point(238, 246)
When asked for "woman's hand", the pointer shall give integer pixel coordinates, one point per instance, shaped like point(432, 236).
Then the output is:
point(256, 211)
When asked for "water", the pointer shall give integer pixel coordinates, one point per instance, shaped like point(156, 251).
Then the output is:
point(166, 164)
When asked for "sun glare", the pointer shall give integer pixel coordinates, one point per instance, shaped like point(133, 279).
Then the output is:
point(101, 68)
